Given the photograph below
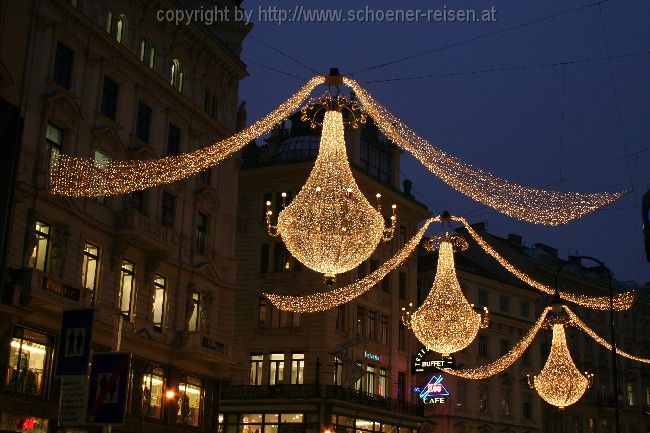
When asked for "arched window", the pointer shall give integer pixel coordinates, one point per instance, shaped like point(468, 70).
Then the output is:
point(120, 29)
point(148, 53)
point(177, 75)
point(152, 56)
point(109, 21)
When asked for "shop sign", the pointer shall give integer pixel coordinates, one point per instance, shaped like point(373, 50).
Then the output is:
point(22, 423)
point(434, 392)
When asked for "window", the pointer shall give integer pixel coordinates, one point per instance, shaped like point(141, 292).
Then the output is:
point(527, 406)
point(383, 330)
point(201, 232)
point(504, 346)
point(525, 308)
point(257, 364)
point(263, 310)
point(372, 325)
point(505, 401)
point(340, 318)
point(167, 209)
point(482, 346)
point(629, 394)
point(402, 336)
point(90, 266)
point(402, 236)
point(29, 354)
point(195, 305)
point(483, 399)
point(127, 283)
point(281, 258)
point(190, 396)
point(402, 285)
point(382, 390)
point(360, 320)
point(143, 122)
point(211, 104)
point(276, 372)
point(376, 162)
point(62, 73)
point(264, 258)
point(177, 75)
point(504, 303)
point(152, 392)
point(54, 140)
point(385, 284)
point(110, 91)
point(137, 201)
point(38, 259)
point(109, 21)
point(461, 393)
point(206, 176)
point(370, 380)
point(116, 28)
point(338, 371)
point(173, 140)
point(297, 368)
point(401, 386)
point(148, 53)
point(483, 298)
point(101, 160)
point(159, 292)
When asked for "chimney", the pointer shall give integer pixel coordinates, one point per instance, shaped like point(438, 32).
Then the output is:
point(515, 239)
point(549, 251)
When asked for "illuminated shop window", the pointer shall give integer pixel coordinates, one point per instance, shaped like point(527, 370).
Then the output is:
point(29, 360)
point(190, 399)
point(152, 392)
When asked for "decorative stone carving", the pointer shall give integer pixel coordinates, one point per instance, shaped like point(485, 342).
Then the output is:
point(151, 265)
point(30, 236)
point(118, 249)
point(58, 249)
point(206, 311)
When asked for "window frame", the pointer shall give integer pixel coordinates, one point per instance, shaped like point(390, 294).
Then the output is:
point(125, 271)
point(87, 257)
point(159, 325)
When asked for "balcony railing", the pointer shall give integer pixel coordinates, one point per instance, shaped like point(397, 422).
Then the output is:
point(265, 392)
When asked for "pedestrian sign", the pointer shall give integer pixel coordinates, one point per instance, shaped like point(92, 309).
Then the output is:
point(75, 340)
point(108, 388)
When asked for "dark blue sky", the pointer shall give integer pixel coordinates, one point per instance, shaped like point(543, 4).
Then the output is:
point(507, 122)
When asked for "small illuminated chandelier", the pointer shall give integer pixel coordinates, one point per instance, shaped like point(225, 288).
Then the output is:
point(446, 322)
point(560, 383)
point(330, 226)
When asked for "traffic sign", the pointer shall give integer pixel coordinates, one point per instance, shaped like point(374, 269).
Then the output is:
point(75, 340)
point(108, 388)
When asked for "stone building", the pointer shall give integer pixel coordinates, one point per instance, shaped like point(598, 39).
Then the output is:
point(110, 80)
point(294, 366)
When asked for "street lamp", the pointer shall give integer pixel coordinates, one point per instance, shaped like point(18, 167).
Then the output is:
point(611, 323)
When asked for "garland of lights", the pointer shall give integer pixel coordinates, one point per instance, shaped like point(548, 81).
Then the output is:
point(330, 226)
point(456, 321)
point(590, 332)
point(560, 383)
point(75, 176)
point(622, 301)
point(518, 201)
point(327, 300)
point(499, 365)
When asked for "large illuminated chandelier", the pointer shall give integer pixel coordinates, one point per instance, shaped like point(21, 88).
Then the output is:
point(446, 322)
point(330, 226)
point(560, 383)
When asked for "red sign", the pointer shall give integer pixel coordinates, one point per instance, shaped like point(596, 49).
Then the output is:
point(26, 424)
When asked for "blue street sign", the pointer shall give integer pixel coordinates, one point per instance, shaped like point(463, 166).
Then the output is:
point(108, 388)
point(75, 340)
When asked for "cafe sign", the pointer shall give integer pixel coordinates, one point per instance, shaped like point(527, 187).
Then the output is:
point(434, 392)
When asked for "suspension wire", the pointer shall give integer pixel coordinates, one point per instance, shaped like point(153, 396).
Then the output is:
point(511, 68)
point(481, 36)
point(288, 56)
point(289, 74)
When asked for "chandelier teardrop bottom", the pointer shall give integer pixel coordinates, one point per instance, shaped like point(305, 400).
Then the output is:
point(446, 322)
point(330, 226)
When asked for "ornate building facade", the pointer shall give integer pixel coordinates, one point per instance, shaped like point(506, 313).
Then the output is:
point(109, 80)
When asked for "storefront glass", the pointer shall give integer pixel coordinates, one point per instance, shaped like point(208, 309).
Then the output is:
point(29, 354)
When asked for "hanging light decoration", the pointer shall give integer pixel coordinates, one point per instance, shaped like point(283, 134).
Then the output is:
point(446, 322)
point(560, 383)
point(330, 226)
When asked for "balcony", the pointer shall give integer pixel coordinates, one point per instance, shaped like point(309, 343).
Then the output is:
point(270, 392)
point(153, 235)
point(195, 345)
point(30, 286)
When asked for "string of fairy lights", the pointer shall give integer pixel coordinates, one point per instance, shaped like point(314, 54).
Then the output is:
point(324, 301)
point(330, 226)
point(525, 203)
point(621, 301)
point(79, 176)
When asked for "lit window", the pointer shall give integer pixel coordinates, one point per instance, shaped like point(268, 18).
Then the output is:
point(120, 29)
point(357, 384)
point(370, 380)
point(177, 75)
point(90, 266)
point(630, 394)
point(382, 390)
point(193, 325)
point(201, 232)
point(190, 396)
point(263, 313)
point(54, 140)
point(127, 285)
point(257, 364)
point(147, 53)
point(151, 59)
point(39, 257)
point(338, 371)
point(109, 21)
point(277, 368)
point(29, 354)
point(152, 392)
point(159, 291)
point(297, 368)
